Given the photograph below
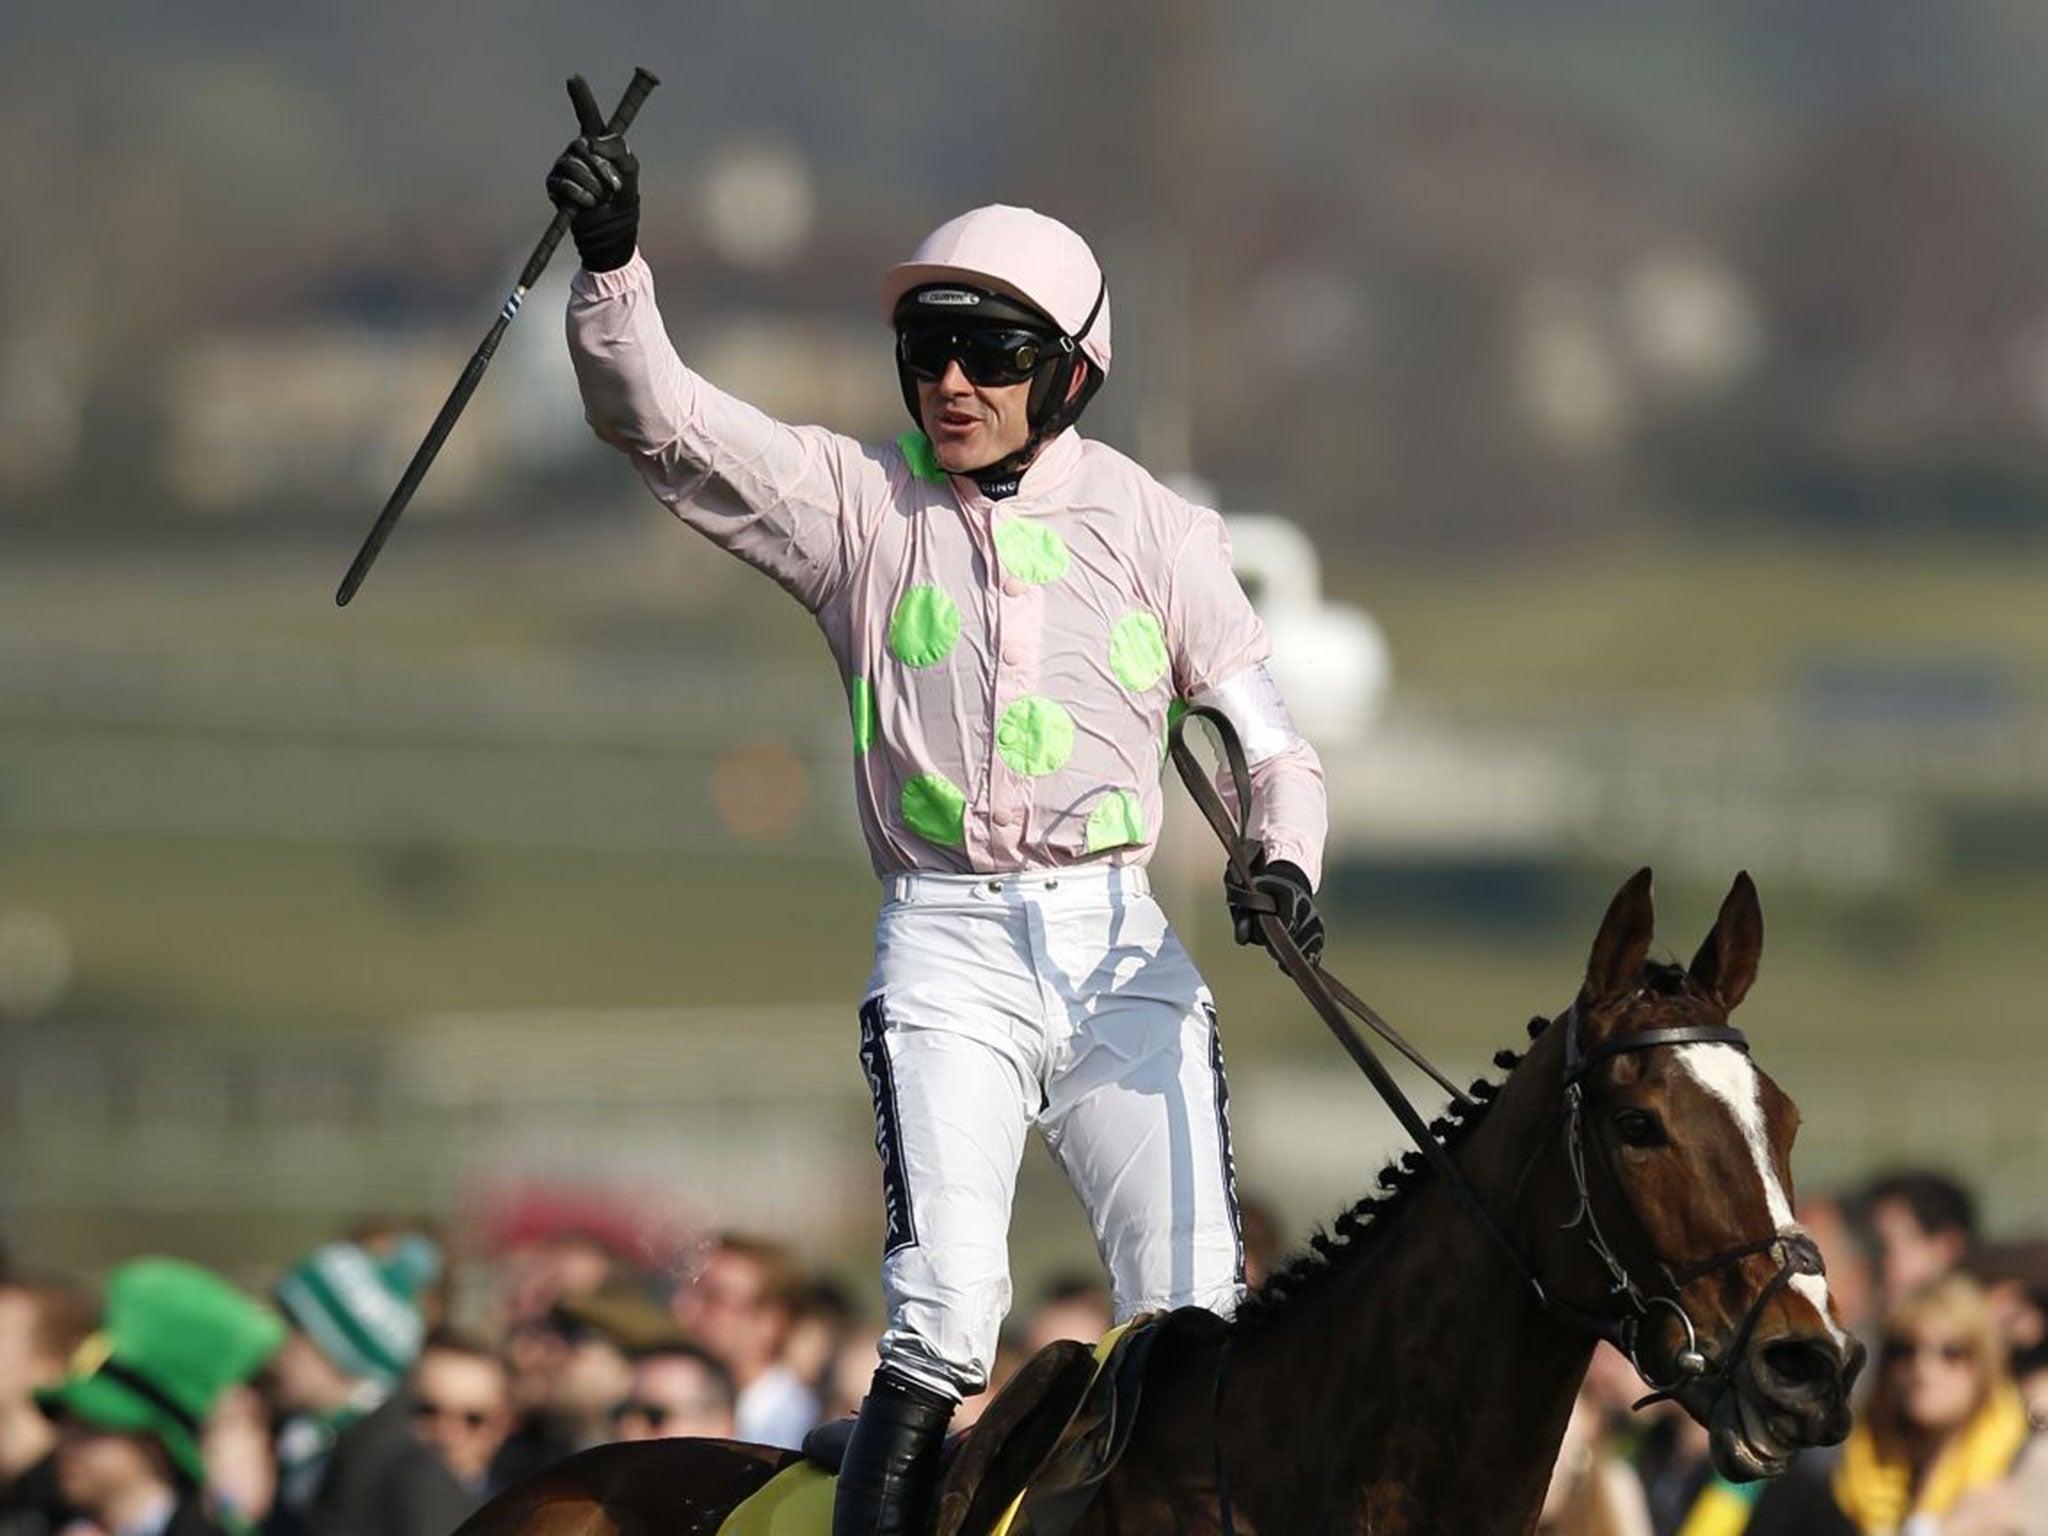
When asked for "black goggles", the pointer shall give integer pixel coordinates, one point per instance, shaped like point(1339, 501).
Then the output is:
point(986, 354)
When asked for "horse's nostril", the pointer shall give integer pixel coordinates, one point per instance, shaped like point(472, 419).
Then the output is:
point(1800, 1368)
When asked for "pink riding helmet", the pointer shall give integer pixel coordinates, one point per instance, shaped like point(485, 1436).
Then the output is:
point(1020, 253)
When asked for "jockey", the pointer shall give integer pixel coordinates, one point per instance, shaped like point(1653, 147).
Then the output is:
point(1014, 608)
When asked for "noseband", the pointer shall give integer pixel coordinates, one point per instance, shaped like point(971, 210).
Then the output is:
point(1795, 1252)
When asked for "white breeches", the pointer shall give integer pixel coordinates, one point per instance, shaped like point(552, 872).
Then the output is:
point(1060, 998)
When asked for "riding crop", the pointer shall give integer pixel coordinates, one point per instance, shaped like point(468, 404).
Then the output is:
point(423, 459)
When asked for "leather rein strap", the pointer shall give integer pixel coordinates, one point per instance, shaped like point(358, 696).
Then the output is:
point(1330, 998)
point(1795, 1252)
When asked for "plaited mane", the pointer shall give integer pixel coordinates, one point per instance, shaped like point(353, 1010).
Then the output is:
point(1354, 1231)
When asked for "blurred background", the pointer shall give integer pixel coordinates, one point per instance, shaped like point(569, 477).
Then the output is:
point(1638, 416)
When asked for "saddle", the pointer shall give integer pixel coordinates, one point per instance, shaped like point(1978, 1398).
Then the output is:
point(1029, 1467)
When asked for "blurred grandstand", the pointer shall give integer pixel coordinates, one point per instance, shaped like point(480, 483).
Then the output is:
point(1669, 385)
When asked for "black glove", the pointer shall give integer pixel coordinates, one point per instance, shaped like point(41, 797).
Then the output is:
point(1282, 889)
point(597, 181)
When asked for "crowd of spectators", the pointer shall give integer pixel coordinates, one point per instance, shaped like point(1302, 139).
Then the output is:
point(376, 1387)
point(1951, 1431)
point(361, 1389)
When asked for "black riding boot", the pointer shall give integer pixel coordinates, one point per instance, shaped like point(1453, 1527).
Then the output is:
point(892, 1461)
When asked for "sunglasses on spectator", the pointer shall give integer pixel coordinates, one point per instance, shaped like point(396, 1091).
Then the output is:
point(426, 1411)
point(986, 356)
point(571, 1330)
point(1948, 1351)
point(656, 1414)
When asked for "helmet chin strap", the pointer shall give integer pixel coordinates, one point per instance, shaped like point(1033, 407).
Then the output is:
point(1000, 479)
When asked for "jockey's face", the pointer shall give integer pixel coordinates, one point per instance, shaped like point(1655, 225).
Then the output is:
point(972, 425)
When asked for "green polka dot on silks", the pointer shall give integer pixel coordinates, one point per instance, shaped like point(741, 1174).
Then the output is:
point(860, 703)
point(935, 808)
point(924, 627)
point(1175, 708)
point(1035, 736)
point(1116, 822)
point(1030, 551)
point(1137, 650)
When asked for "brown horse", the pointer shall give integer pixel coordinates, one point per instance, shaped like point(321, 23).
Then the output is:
point(1414, 1372)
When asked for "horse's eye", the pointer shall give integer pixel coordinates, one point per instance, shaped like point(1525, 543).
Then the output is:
point(1639, 1128)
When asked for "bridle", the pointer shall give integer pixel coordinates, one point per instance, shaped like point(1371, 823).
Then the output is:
point(1796, 1252)
point(1637, 1305)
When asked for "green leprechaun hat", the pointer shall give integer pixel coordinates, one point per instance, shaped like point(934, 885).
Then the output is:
point(174, 1338)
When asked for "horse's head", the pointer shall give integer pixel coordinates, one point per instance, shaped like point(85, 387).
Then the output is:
point(1675, 1176)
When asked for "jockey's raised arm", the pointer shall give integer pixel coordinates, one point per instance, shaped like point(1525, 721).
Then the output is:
point(793, 502)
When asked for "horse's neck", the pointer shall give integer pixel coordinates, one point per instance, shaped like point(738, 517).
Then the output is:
point(1422, 1389)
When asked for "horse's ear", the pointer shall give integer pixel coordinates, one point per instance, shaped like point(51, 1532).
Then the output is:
point(1726, 963)
point(1624, 942)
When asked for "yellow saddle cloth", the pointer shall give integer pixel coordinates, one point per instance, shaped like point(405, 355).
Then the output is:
point(797, 1501)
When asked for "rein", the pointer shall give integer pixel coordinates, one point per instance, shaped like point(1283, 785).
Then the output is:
point(1795, 1252)
point(1330, 998)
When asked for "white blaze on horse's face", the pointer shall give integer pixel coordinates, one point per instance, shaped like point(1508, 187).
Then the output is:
point(1731, 1077)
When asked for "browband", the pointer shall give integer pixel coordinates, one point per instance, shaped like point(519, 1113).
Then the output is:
point(1579, 1062)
